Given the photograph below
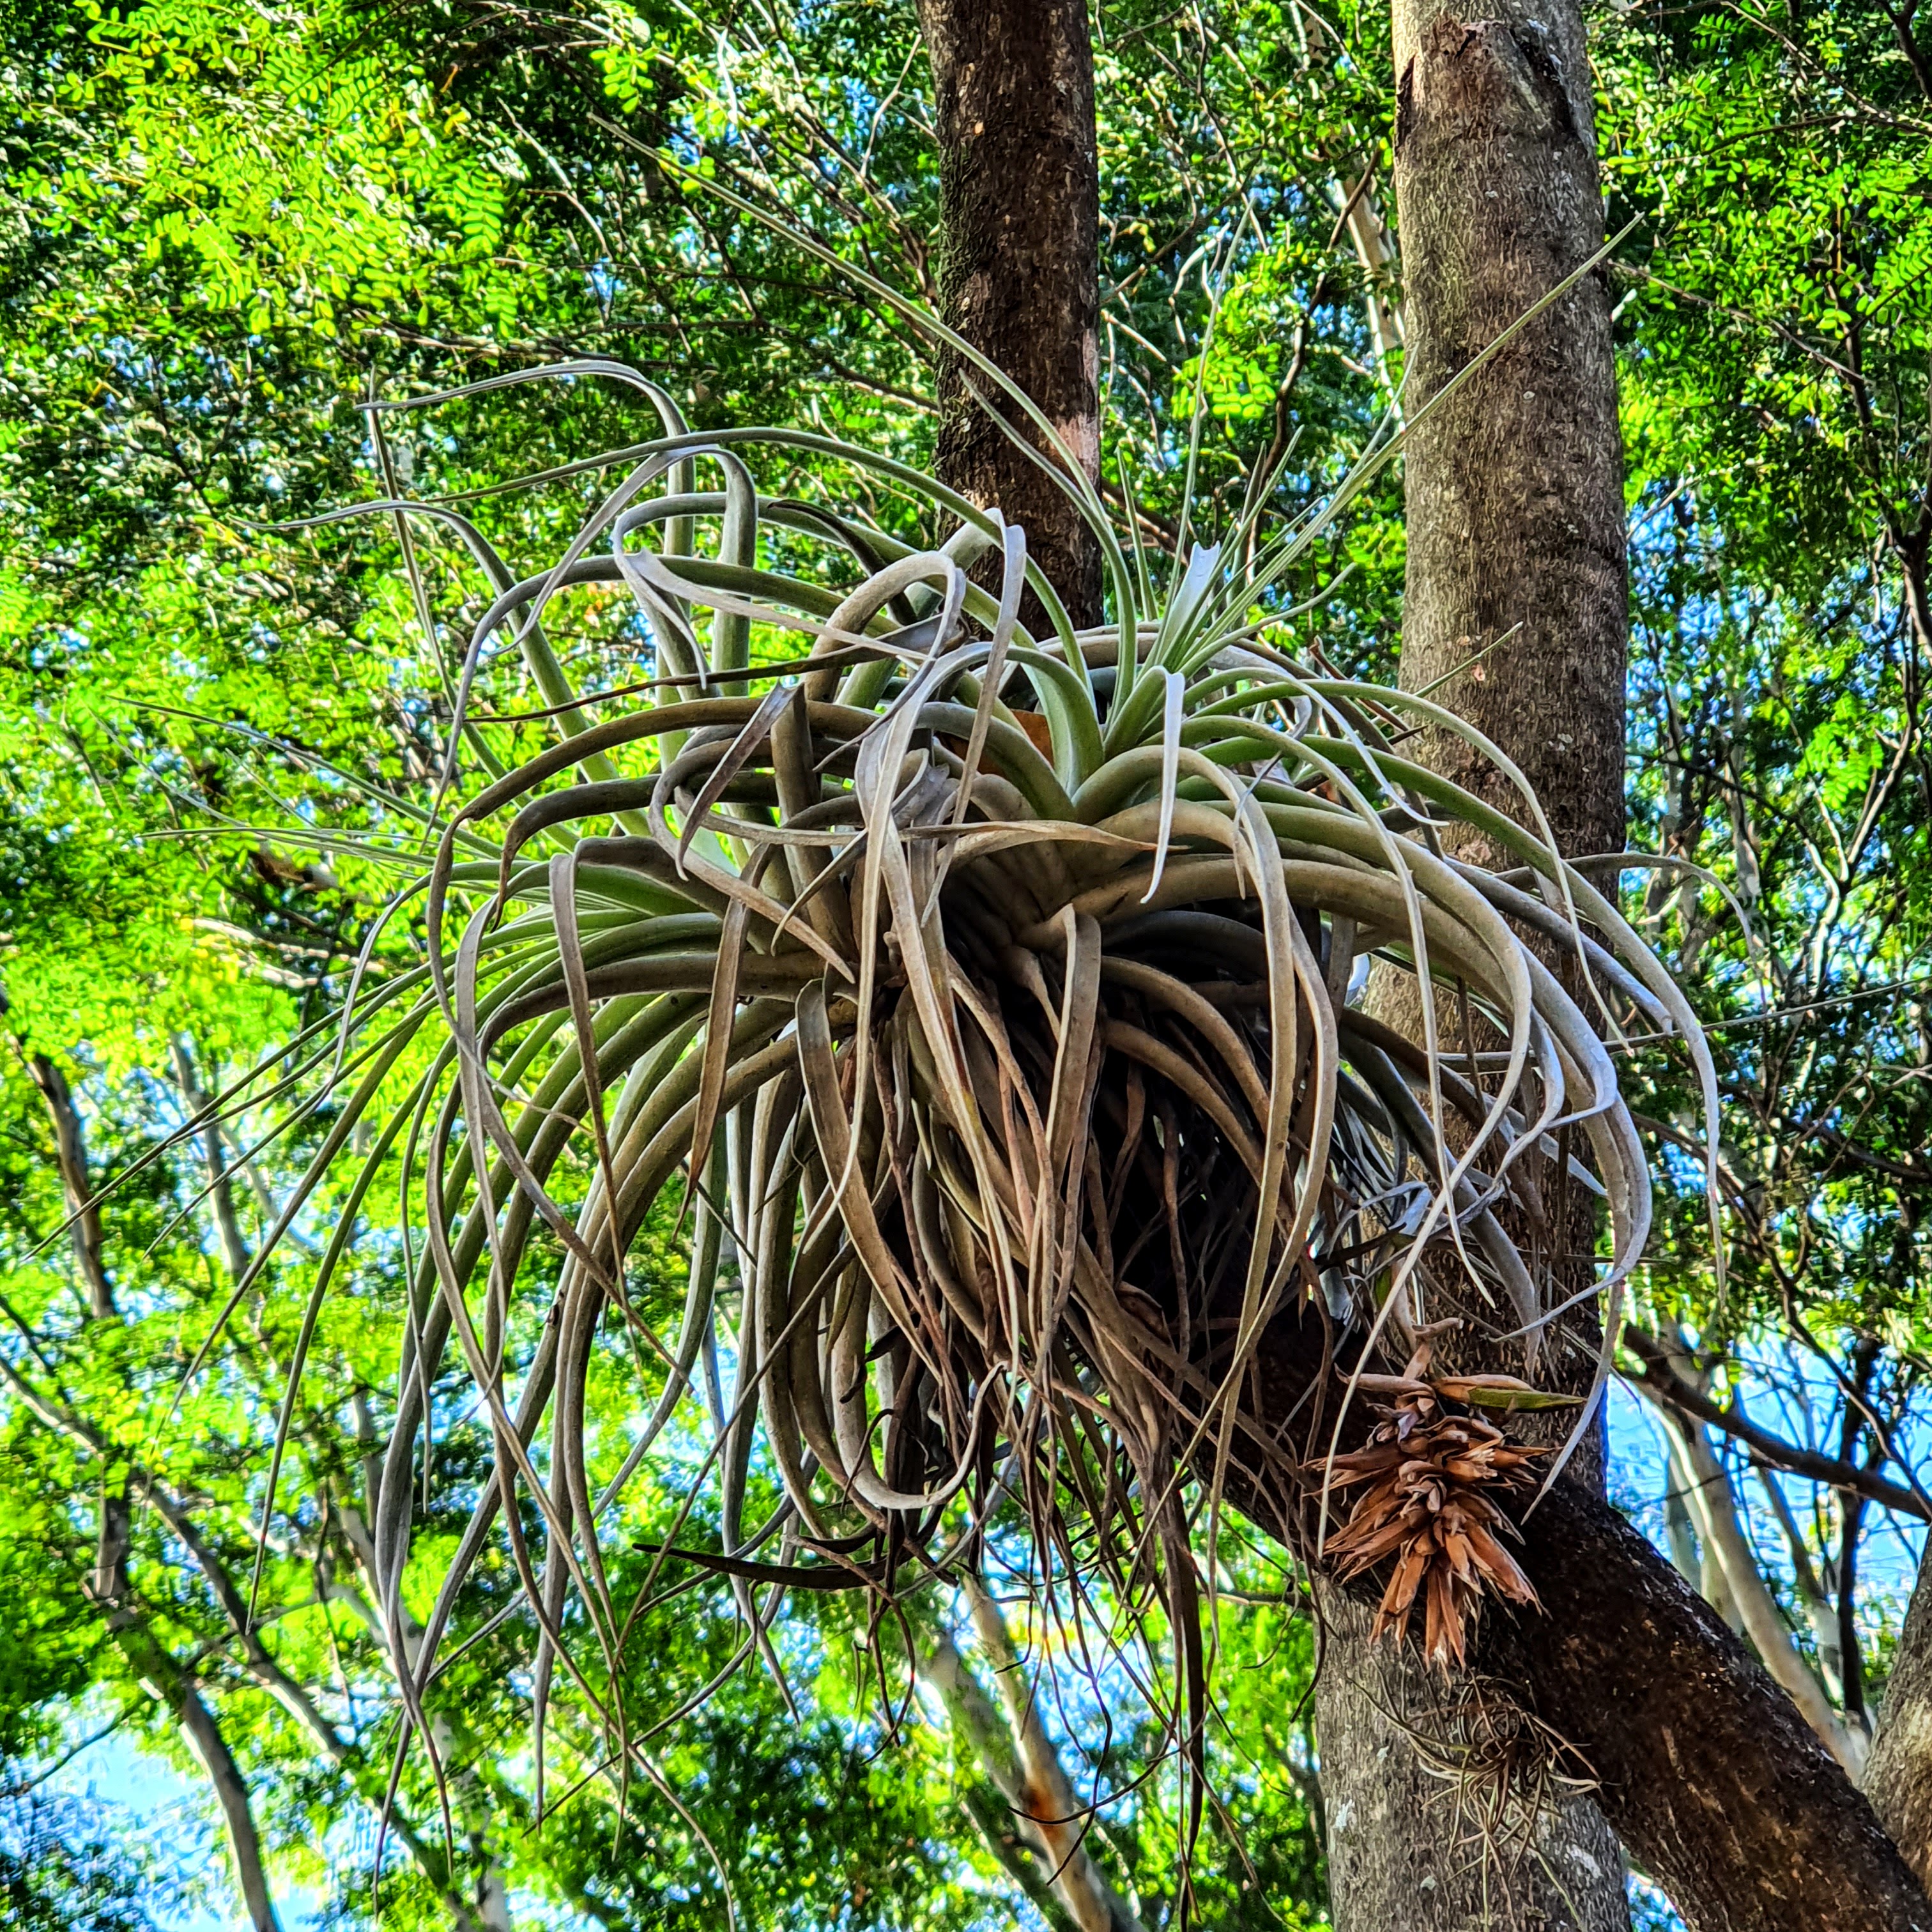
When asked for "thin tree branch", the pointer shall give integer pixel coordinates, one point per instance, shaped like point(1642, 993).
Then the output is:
point(1658, 1378)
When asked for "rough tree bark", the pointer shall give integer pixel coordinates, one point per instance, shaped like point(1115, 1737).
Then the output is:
point(1898, 1775)
point(1516, 560)
point(1401, 1854)
point(1515, 490)
point(1898, 1772)
point(1707, 1771)
point(1019, 196)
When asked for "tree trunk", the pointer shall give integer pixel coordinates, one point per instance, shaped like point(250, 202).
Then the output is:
point(1381, 266)
point(1702, 1765)
point(1898, 1775)
point(221, 1192)
point(1021, 1764)
point(1404, 1849)
point(1019, 197)
point(1714, 1506)
point(1515, 490)
point(70, 1152)
point(231, 1791)
point(110, 1588)
point(1707, 1771)
point(1515, 559)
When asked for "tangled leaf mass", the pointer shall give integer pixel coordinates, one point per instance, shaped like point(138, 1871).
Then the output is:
point(1032, 1152)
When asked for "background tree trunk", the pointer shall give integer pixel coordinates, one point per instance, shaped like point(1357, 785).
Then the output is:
point(1714, 1508)
point(1012, 1746)
point(1515, 549)
point(110, 1588)
point(1019, 195)
point(70, 1152)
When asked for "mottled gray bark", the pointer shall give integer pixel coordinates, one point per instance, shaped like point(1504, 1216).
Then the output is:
point(1405, 1846)
point(1019, 261)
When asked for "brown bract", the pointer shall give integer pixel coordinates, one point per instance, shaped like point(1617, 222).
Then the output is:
point(1434, 1477)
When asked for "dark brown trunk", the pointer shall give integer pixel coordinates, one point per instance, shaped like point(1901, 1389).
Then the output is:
point(1708, 1773)
point(1515, 561)
point(1019, 262)
point(1898, 1775)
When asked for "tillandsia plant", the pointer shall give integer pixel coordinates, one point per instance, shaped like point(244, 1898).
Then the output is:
point(978, 994)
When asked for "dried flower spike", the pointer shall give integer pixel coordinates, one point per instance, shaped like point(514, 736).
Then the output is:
point(1433, 1479)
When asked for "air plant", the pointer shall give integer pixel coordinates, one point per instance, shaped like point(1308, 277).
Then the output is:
point(978, 991)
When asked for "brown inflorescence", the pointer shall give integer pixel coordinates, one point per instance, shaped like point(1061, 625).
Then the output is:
point(1433, 1476)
